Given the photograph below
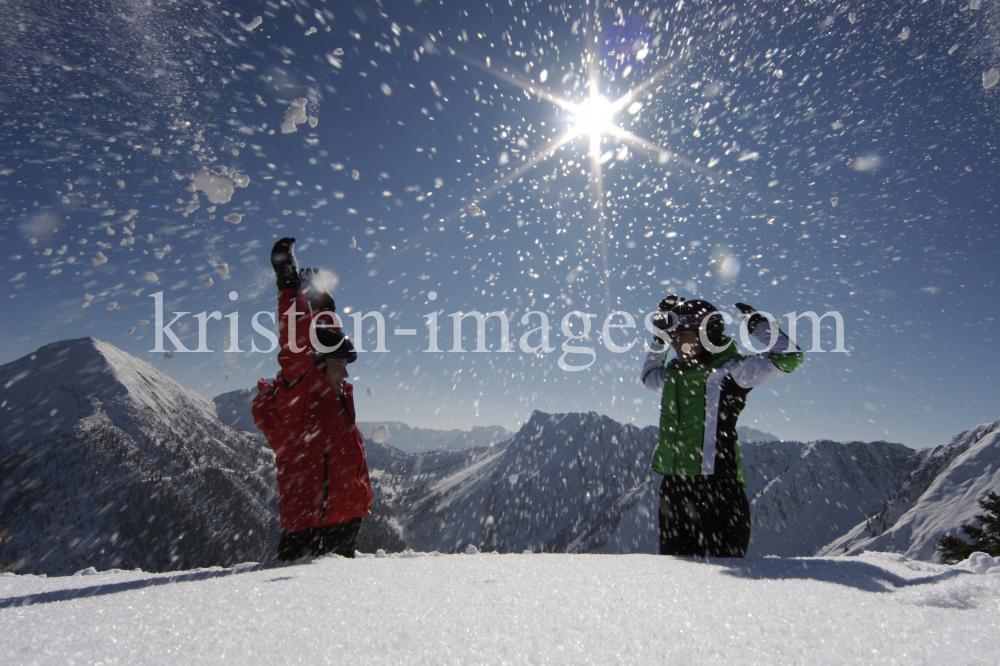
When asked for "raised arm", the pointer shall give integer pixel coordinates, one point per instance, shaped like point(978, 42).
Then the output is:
point(294, 359)
point(302, 294)
point(652, 375)
point(781, 359)
point(294, 315)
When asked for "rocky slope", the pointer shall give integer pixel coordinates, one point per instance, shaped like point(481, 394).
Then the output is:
point(107, 462)
point(940, 493)
point(563, 483)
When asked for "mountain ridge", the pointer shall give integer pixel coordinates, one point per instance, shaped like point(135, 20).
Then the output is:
point(234, 409)
point(941, 493)
point(107, 462)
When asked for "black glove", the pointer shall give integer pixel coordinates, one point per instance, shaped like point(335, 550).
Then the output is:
point(315, 291)
point(670, 302)
point(286, 268)
point(755, 318)
point(662, 319)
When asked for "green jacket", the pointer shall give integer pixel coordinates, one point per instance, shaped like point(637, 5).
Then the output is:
point(713, 392)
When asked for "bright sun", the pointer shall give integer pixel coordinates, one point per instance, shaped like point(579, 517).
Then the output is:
point(594, 117)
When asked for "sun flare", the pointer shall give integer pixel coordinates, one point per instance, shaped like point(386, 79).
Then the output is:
point(594, 117)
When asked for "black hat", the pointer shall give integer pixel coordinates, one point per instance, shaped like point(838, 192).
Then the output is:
point(341, 346)
point(689, 315)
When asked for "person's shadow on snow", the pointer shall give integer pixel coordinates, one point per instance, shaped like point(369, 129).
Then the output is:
point(852, 573)
point(152, 581)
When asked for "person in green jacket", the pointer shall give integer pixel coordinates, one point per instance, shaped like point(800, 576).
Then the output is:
point(703, 508)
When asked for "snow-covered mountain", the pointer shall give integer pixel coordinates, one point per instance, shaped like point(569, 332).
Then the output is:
point(398, 479)
point(805, 495)
point(234, 409)
point(940, 493)
point(747, 434)
point(106, 462)
point(419, 440)
point(581, 483)
point(806, 498)
point(563, 483)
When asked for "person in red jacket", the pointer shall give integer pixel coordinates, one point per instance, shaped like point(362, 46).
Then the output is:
point(308, 418)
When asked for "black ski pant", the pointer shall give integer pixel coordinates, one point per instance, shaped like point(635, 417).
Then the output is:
point(315, 541)
point(704, 517)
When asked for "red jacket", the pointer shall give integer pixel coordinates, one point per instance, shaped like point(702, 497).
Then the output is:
point(322, 471)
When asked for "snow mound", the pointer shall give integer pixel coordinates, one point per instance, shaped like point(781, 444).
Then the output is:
point(981, 563)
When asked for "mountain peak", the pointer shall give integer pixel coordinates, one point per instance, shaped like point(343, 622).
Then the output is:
point(51, 388)
point(540, 421)
point(95, 442)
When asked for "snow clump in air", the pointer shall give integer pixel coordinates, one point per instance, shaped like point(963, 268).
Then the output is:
point(222, 269)
point(296, 115)
point(234, 218)
point(99, 259)
point(255, 23)
point(729, 268)
point(380, 434)
point(218, 186)
point(867, 163)
point(990, 78)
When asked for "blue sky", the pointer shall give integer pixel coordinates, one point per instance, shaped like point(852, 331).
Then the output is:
point(801, 157)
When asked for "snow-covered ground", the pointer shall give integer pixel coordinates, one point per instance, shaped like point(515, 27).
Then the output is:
point(511, 609)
